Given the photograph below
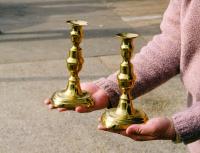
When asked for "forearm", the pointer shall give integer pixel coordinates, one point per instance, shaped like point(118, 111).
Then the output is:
point(157, 62)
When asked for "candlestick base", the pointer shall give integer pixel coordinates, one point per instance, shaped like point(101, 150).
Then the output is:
point(118, 119)
point(63, 99)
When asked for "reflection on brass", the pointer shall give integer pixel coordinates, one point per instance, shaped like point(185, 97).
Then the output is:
point(125, 114)
point(73, 96)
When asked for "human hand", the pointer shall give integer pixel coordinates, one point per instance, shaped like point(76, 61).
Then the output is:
point(155, 129)
point(99, 96)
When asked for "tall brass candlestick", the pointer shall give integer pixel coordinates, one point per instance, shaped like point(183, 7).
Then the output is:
point(73, 96)
point(125, 114)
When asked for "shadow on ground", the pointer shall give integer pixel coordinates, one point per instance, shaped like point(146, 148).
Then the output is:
point(61, 34)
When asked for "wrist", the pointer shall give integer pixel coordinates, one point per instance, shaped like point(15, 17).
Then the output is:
point(111, 89)
point(171, 132)
point(174, 136)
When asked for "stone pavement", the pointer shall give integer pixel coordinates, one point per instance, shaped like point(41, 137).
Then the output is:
point(33, 46)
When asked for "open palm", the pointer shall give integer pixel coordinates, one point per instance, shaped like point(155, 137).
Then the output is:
point(155, 129)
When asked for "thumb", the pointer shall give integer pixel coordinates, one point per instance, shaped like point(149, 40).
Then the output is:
point(89, 87)
point(134, 129)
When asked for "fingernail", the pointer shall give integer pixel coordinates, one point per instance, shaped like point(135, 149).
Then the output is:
point(50, 106)
point(46, 101)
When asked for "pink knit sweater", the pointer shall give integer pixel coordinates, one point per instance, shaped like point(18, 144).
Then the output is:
point(175, 50)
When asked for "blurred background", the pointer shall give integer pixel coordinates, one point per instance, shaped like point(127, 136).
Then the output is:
point(34, 40)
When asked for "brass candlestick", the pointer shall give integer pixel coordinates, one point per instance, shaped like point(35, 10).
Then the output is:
point(73, 96)
point(125, 114)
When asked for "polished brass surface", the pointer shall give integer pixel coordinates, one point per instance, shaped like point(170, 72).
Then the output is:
point(125, 114)
point(72, 96)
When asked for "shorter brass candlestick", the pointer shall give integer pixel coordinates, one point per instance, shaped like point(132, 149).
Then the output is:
point(125, 114)
point(73, 96)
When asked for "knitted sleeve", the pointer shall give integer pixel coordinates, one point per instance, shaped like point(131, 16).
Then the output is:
point(187, 123)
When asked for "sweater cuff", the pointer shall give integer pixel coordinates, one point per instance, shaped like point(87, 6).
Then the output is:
point(187, 124)
point(111, 89)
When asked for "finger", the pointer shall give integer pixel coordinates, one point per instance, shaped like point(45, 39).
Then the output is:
point(61, 109)
point(101, 127)
point(89, 87)
point(50, 106)
point(140, 132)
point(47, 101)
point(124, 133)
point(100, 99)
point(142, 138)
point(81, 109)
point(134, 130)
point(142, 129)
point(100, 102)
